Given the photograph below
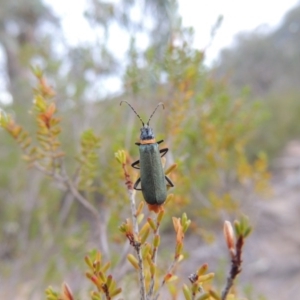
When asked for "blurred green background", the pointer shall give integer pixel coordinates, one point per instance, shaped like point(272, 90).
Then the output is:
point(229, 123)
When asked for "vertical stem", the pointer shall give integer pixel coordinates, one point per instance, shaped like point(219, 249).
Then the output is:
point(236, 263)
point(137, 245)
point(227, 288)
point(153, 258)
point(170, 269)
point(102, 227)
point(133, 211)
point(141, 273)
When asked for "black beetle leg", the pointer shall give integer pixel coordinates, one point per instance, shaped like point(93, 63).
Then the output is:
point(160, 141)
point(170, 183)
point(136, 184)
point(134, 165)
point(164, 151)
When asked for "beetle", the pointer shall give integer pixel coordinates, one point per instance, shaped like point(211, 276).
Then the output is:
point(153, 180)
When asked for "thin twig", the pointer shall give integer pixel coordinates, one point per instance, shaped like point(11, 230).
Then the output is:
point(137, 245)
point(153, 258)
point(73, 189)
point(141, 272)
point(63, 178)
point(68, 200)
point(101, 216)
point(81, 199)
point(44, 170)
point(102, 226)
point(133, 211)
point(236, 263)
point(66, 207)
point(170, 269)
point(121, 266)
point(106, 291)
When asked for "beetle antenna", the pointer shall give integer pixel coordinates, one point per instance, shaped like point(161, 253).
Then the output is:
point(133, 110)
point(155, 111)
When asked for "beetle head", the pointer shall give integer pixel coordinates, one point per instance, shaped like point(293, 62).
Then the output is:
point(146, 133)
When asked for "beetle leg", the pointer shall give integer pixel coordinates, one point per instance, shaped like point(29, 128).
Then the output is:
point(134, 165)
point(160, 141)
point(170, 183)
point(136, 184)
point(164, 151)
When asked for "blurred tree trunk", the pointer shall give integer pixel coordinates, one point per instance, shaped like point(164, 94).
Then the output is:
point(20, 38)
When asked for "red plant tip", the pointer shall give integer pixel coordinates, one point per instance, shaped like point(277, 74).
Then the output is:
point(168, 277)
point(47, 115)
point(50, 110)
point(94, 279)
point(13, 128)
point(67, 292)
point(229, 237)
point(45, 88)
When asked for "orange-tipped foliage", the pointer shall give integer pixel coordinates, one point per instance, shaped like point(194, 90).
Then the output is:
point(178, 229)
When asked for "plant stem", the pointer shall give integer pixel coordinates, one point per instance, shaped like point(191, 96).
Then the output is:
point(137, 245)
point(63, 178)
point(153, 258)
point(236, 262)
point(171, 267)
